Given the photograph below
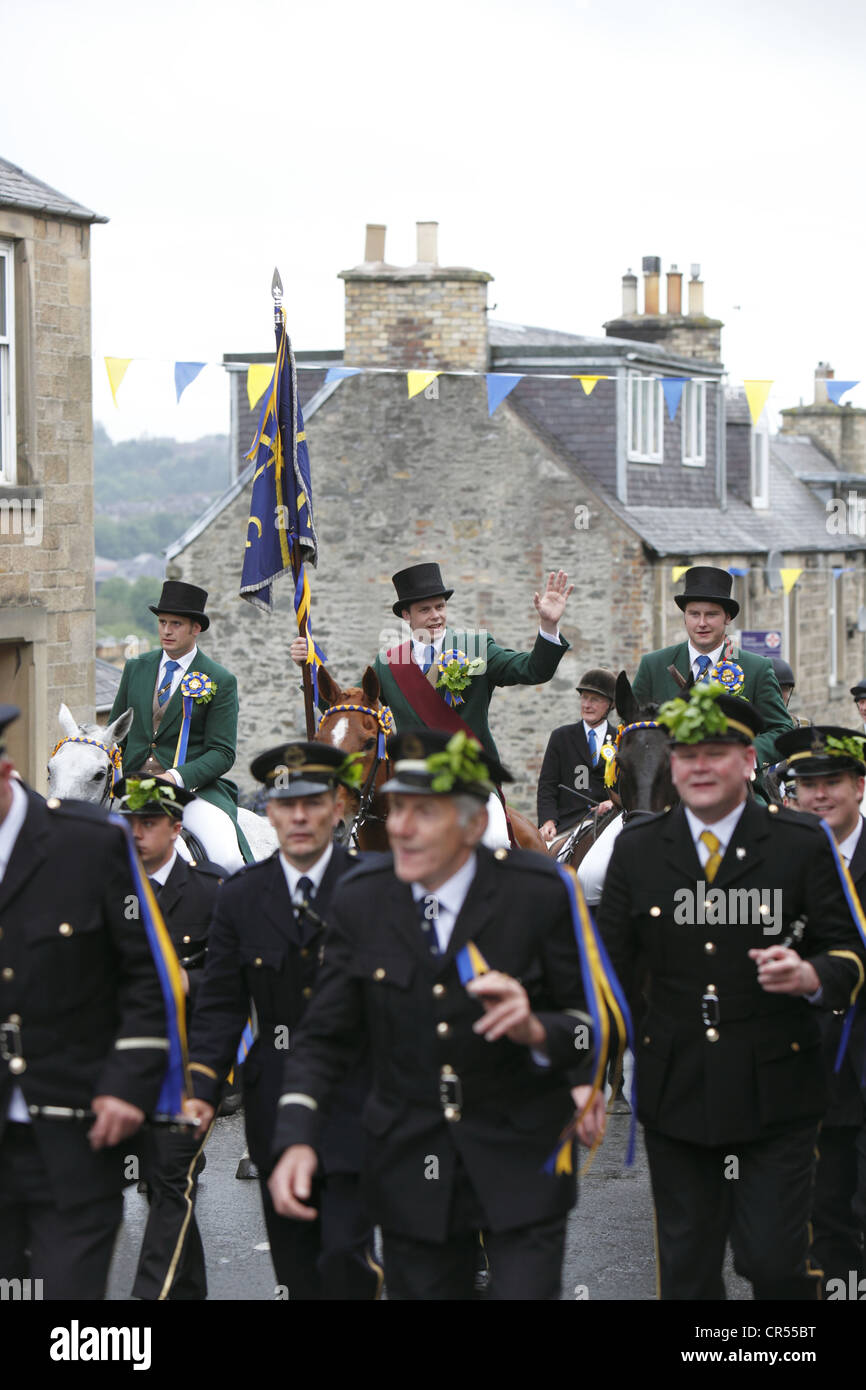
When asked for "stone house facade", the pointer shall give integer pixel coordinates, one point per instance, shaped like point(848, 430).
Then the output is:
point(46, 463)
point(604, 485)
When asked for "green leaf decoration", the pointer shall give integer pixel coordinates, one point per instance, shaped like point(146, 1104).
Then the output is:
point(695, 719)
point(459, 761)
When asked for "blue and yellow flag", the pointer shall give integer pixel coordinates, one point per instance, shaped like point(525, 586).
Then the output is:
point(281, 506)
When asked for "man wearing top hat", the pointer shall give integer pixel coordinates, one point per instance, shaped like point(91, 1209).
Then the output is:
point(414, 684)
point(205, 720)
point(460, 969)
point(82, 1029)
point(738, 915)
point(264, 954)
point(171, 1264)
point(826, 766)
point(707, 608)
point(573, 758)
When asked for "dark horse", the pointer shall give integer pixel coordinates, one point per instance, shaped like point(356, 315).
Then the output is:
point(357, 722)
point(643, 775)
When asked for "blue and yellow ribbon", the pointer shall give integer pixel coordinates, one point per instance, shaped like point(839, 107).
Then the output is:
point(195, 688)
point(857, 913)
point(248, 1037)
point(470, 963)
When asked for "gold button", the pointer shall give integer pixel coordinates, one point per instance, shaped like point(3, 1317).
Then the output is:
point(447, 1071)
point(655, 912)
point(763, 909)
point(17, 1065)
point(438, 990)
point(772, 808)
point(711, 989)
point(65, 929)
point(52, 803)
point(647, 1040)
point(308, 993)
point(442, 1029)
point(712, 1035)
point(499, 854)
point(258, 960)
point(305, 951)
point(452, 1113)
point(710, 948)
point(8, 973)
point(15, 1018)
point(378, 973)
point(187, 940)
point(795, 1047)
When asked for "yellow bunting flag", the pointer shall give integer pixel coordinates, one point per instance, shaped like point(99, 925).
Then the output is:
point(789, 579)
point(259, 377)
point(756, 394)
point(589, 382)
point(116, 368)
point(419, 381)
point(677, 572)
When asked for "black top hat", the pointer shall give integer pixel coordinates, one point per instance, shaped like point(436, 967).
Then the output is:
point(859, 690)
point(299, 769)
point(151, 796)
point(713, 585)
point(428, 762)
point(416, 583)
point(186, 600)
point(8, 714)
point(810, 752)
point(599, 682)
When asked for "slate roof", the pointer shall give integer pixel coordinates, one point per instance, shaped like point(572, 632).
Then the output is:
point(107, 678)
point(19, 189)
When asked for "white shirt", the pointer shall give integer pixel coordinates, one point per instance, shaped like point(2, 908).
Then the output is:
point(598, 729)
point(10, 829)
point(161, 874)
point(420, 649)
point(723, 831)
point(184, 663)
point(315, 874)
point(694, 654)
point(847, 846)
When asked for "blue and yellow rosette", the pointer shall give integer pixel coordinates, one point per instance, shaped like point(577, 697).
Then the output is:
point(196, 689)
point(455, 672)
point(728, 674)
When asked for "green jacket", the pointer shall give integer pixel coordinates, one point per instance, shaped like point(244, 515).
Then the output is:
point(213, 730)
point(654, 682)
point(504, 667)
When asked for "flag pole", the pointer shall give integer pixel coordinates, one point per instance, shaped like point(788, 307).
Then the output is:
point(297, 562)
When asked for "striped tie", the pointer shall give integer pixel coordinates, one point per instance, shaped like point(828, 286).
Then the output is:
point(712, 842)
point(165, 689)
point(704, 664)
point(593, 747)
point(429, 658)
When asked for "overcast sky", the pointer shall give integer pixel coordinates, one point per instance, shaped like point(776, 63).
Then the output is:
point(556, 143)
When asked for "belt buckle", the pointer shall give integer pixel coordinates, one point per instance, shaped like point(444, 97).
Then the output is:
point(711, 1013)
point(10, 1037)
point(451, 1096)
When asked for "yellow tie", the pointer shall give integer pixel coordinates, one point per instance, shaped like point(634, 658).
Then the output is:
point(712, 842)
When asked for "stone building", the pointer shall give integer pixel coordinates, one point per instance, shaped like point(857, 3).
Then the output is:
point(604, 484)
point(46, 463)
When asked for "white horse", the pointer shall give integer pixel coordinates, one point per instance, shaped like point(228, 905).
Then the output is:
point(83, 764)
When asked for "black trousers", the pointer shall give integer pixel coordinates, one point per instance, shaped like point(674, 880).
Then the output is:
point(758, 1195)
point(837, 1216)
point(525, 1264)
point(331, 1257)
point(69, 1251)
point(171, 1264)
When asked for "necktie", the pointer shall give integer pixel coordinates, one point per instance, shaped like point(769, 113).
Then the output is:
point(712, 843)
point(165, 689)
point(704, 664)
point(429, 658)
point(426, 908)
point(593, 747)
point(304, 893)
point(156, 886)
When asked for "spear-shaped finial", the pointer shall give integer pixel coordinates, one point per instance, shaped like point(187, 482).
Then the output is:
point(277, 288)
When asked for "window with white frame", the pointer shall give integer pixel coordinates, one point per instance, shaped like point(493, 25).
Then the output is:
point(7, 364)
point(760, 490)
point(645, 419)
point(694, 422)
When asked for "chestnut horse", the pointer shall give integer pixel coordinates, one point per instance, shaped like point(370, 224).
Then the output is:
point(356, 721)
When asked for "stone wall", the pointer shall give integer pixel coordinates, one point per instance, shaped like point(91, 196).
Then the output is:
point(839, 430)
point(432, 318)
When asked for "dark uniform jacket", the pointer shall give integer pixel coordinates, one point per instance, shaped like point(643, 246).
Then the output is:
point(187, 900)
point(256, 959)
point(439, 1090)
point(78, 978)
point(567, 751)
point(846, 1105)
point(753, 1065)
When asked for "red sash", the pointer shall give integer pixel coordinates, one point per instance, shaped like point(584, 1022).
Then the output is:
point(430, 708)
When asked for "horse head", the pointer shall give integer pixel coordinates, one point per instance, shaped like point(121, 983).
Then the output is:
point(82, 766)
point(642, 755)
point(357, 722)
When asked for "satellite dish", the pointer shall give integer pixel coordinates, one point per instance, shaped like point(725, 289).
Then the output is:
point(773, 571)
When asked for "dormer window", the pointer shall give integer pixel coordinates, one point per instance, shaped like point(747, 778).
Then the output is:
point(645, 419)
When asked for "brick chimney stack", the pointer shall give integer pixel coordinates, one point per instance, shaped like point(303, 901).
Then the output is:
point(838, 430)
point(686, 335)
point(418, 316)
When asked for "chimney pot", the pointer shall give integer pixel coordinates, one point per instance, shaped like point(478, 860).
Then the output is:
point(652, 266)
point(374, 246)
point(823, 373)
point(695, 270)
point(696, 294)
point(629, 294)
point(675, 291)
point(426, 239)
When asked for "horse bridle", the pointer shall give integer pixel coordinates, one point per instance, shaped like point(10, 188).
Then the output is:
point(385, 721)
point(113, 772)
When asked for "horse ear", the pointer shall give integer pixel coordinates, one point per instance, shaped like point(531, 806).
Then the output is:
point(66, 722)
point(116, 732)
point(370, 687)
point(627, 706)
point(328, 688)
